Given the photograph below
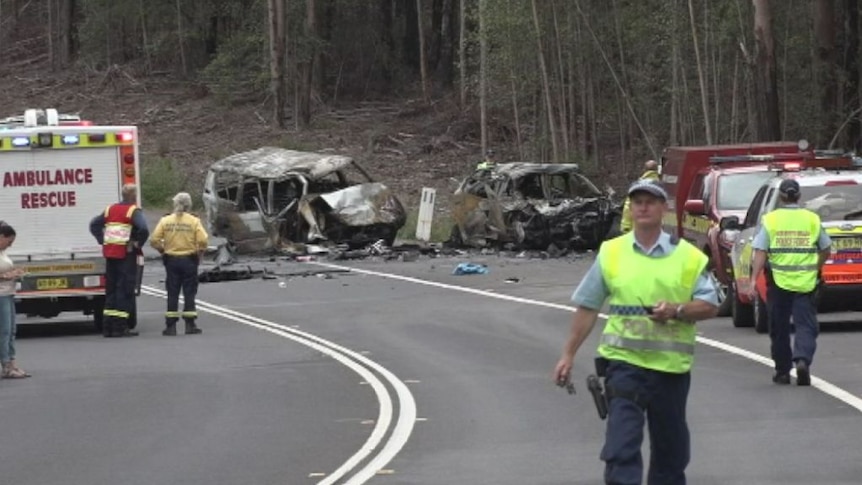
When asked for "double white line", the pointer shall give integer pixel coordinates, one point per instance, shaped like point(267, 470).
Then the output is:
point(375, 453)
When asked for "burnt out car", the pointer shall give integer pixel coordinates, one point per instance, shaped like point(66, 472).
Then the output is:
point(532, 206)
point(270, 198)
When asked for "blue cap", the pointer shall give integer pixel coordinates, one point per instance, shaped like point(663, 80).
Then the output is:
point(789, 187)
point(649, 186)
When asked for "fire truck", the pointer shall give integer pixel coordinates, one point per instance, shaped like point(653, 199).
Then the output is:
point(58, 172)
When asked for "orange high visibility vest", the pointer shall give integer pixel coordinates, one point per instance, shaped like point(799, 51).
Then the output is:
point(118, 230)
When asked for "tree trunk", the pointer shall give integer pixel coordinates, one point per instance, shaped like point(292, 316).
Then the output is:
point(546, 85)
point(52, 56)
point(386, 27)
point(181, 39)
point(148, 62)
point(435, 39)
point(307, 66)
point(704, 94)
point(824, 31)
point(277, 71)
point(462, 52)
point(673, 139)
point(423, 66)
point(410, 46)
point(444, 68)
point(851, 70)
point(770, 122)
point(483, 73)
point(561, 79)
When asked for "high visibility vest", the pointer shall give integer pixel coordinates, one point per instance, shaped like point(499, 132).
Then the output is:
point(485, 165)
point(793, 235)
point(118, 230)
point(635, 280)
point(626, 219)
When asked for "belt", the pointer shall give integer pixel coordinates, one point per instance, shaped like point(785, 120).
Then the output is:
point(189, 255)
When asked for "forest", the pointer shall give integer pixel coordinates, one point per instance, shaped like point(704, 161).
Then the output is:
point(603, 83)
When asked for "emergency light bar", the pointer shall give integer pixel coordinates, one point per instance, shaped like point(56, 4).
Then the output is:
point(775, 157)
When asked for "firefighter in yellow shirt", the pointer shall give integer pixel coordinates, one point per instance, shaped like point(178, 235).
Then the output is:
point(181, 240)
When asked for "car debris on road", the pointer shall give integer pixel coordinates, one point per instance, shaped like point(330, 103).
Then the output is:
point(540, 206)
point(271, 199)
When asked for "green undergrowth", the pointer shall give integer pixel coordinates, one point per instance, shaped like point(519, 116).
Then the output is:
point(441, 226)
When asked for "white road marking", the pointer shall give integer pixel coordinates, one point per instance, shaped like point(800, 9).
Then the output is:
point(820, 384)
point(359, 364)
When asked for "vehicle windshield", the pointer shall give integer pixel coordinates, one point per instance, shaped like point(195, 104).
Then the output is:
point(735, 190)
point(832, 202)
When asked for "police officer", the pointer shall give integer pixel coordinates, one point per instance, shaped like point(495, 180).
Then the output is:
point(657, 289)
point(796, 246)
point(488, 163)
point(650, 173)
point(181, 240)
point(122, 231)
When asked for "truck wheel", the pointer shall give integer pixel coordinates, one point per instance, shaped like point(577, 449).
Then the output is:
point(761, 316)
point(741, 314)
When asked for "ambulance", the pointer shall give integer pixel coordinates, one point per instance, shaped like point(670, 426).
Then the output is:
point(58, 172)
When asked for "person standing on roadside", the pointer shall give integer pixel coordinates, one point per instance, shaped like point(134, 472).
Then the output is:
point(122, 231)
point(793, 247)
point(650, 173)
point(8, 276)
point(181, 240)
point(657, 288)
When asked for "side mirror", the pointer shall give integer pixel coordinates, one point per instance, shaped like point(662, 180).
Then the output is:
point(729, 223)
point(694, 207)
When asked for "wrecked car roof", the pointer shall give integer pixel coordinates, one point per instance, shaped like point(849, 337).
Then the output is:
point(275, 163)
point(517, 169)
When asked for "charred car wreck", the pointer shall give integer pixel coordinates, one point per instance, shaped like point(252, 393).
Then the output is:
point(272, 199)
point(532, 206)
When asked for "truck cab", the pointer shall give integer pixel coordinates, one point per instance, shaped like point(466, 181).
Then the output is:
point(706, 183)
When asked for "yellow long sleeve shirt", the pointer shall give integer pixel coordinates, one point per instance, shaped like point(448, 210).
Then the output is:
point(179, 235)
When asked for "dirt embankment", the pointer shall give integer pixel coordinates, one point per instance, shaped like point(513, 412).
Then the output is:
point(404, 143)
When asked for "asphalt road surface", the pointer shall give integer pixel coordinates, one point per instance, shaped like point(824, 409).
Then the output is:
point(395, 373)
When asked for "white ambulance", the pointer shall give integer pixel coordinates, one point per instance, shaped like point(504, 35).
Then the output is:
point(58, 172)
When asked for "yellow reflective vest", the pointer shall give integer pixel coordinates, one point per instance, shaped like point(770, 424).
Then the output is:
point(793, 235)
point(635, 280)
point(626, 218)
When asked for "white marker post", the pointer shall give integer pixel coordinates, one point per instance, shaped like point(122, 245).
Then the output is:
point(426, 214)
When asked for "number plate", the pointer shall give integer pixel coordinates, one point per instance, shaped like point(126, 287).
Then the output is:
point(52, 283)
point(847, 243)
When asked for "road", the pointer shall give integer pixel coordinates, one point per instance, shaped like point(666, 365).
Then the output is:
point(395, 373)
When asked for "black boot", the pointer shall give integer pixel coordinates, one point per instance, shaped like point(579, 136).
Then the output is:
point(170, 327)
point(191, 328)
point(108, 326)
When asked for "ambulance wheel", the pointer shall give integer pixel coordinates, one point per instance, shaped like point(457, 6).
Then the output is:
point(741, 314)
point(761, 316)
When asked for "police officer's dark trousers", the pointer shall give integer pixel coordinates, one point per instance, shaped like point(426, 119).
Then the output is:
point(182, 276)
point(120, 280)
point(635, 395)
point(783, 304)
